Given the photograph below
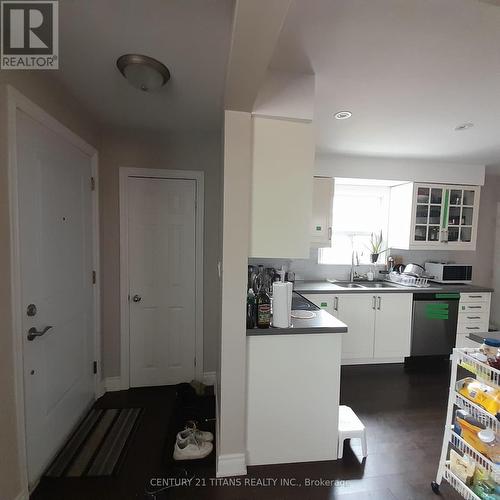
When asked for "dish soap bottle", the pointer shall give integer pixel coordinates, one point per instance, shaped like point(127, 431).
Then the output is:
point(263, 309)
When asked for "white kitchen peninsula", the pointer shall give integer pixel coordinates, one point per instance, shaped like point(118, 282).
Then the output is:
point(293, 388)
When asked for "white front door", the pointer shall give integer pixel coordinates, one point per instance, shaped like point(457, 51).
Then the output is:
point(162, 280)
point(55, 240)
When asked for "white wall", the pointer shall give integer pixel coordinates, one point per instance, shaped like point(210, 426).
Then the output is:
point(286, 95)
point(235, 245)
point(187, 151)
point(364, 167)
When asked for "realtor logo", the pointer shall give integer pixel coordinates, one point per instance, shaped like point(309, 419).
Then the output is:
point(29, 37)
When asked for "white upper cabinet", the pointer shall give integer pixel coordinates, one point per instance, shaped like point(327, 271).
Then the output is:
point(282, 188)
point(433, 216)
point(321, 224)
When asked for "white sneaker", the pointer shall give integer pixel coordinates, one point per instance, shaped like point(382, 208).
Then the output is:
point(192, 449)
point(199, 435)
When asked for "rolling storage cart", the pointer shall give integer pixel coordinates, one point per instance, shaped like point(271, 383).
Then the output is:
point(490, 376)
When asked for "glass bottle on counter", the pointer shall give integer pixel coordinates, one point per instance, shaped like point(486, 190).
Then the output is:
point(263, 309)
point(259, 281)
point(251, 309)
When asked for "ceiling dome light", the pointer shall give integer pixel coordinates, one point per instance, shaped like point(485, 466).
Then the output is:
point(464, 126)
point(343, 115)
point(143, 72)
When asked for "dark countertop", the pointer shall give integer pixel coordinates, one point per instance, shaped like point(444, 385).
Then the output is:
point(323, 322)
point(327, 287)
point(479, 337)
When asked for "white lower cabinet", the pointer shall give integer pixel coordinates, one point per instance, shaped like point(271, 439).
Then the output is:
point(379, 325)
point(393, 325)
point(358, 313)
point(463, 340)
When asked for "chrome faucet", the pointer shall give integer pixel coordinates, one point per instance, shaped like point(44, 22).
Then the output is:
point(352, 274)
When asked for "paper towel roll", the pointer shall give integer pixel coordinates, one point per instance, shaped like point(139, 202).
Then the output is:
point(282, 304)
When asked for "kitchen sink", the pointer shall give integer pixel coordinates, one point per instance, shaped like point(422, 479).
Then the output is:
point(348, 285)
point(378, 285)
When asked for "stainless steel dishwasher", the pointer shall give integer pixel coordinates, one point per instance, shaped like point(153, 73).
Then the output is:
point(434, 327)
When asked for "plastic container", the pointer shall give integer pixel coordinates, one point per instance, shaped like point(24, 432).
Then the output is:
point(491, 445)
point(468, 428)
point(491, 349)
point(480, 393)
point(484, 486)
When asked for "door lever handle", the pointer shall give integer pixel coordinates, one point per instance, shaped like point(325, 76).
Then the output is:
point(33, 333)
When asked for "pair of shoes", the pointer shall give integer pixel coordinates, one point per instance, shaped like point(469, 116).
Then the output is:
point(192, 426)
point(193, 444)
point(199, 435)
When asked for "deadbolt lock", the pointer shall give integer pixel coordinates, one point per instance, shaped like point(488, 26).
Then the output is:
point(31, 310)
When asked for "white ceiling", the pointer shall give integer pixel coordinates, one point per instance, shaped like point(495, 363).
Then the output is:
point(190, 36)
point(409, 70)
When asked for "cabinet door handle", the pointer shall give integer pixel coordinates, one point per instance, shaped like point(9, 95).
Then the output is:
point(473, 317)
point(472, 328)
point(330, 233)
point(379, 302)
point(336, 304)
point(374, 302)
point(474, 307)
point(475, 296)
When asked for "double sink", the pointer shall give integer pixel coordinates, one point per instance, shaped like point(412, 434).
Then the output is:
point(365, 284)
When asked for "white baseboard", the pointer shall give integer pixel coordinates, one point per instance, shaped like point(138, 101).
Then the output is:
point(231, 465)
point(112, 384)
point(209, 378)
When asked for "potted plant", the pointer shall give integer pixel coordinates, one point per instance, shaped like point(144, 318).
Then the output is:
point(375, 246)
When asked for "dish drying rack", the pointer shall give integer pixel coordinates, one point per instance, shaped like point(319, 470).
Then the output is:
point(485, 373)
point(408, 280)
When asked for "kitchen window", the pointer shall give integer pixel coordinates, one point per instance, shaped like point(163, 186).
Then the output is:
point(360, 208)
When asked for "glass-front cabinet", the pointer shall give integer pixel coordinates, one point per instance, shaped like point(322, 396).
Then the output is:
point(440, 216)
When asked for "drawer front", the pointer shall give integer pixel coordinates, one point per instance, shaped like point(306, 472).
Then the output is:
point(471, 318)
point(474, 307)
point(464, 341)
point(475, 297)
point(472, 322)
point(473, 328)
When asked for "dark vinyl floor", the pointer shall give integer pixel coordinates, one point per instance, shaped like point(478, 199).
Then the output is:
point(404, 413)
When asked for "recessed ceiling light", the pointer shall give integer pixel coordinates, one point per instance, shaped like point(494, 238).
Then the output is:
point(143, 72)
point(343, 115)
point(464, 126)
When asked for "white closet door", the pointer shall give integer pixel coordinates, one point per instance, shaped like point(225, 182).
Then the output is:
point(162, 243)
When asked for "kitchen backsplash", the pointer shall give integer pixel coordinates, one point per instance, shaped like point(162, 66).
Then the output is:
point(309, 269)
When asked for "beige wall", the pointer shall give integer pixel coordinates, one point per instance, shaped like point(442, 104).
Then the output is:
point(41, 88)
point(483, 258)
point(235, 244)
point(189, 151)
point(495, 300)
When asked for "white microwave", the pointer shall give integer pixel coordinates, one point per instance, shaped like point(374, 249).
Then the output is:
point(449, 273)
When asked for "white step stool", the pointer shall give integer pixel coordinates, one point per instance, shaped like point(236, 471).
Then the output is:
point(350, 427)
